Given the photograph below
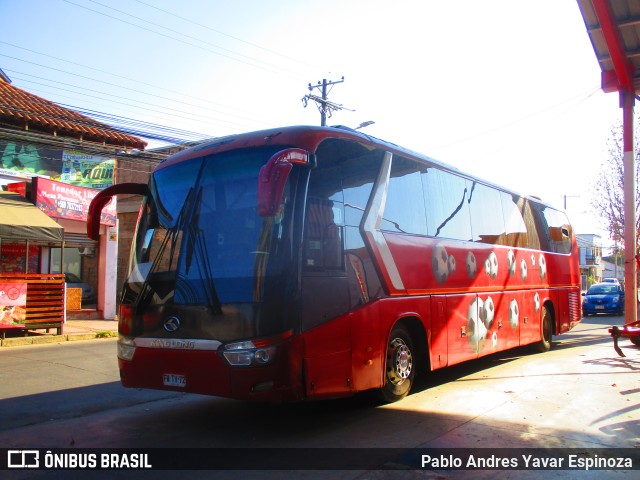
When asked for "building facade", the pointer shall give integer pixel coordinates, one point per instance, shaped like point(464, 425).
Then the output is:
point(591, 265)
point(59, 159)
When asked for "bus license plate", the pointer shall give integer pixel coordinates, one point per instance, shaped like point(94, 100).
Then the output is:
point(173, 380)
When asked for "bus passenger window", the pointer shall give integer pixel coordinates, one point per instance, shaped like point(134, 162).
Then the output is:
point(516, 228)
point(447, 204)
point(404, 210)
point(487, 222)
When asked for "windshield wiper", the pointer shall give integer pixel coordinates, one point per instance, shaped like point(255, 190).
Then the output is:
point(197, 243)
point(143, 296)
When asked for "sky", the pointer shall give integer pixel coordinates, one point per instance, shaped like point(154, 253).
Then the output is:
point(507, 90)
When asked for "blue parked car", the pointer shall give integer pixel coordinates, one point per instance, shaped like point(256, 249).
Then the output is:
point(603, 298)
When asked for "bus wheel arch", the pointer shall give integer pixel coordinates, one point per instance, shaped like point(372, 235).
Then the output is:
point(405, 352)
point(547, 327)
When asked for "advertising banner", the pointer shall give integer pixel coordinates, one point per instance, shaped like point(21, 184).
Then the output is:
point(13, 255)
point(23, 160)
point(13, 302)
point(90, 171)
point(60, 200)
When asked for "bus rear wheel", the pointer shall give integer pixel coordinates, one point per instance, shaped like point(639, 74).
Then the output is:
point(544, 345)
point(400, 366)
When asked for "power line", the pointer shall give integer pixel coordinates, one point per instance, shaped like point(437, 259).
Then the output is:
point(128, 102)
point(123, 124)
point(588, 95)
point(109, 84)
point(129, 79)
point(228, 36)
point(283, 73)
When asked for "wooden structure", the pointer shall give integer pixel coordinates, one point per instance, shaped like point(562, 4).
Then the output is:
point(45, 308)
point(42, 295)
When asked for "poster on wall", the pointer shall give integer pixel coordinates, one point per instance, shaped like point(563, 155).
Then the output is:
point(90, 171)
point(13, 303)
point(23, 160)
point(13, 255)
point(60, 200)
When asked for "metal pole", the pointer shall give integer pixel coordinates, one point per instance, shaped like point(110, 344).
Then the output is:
point(323, 110)
point(627, 99)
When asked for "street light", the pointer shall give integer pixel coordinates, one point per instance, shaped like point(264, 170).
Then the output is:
point(365, 124)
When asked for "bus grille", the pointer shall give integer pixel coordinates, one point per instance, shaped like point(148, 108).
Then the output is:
point(575, 311)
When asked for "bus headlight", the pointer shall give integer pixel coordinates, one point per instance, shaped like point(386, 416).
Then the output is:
point(239, 358)
point(247, 353)
point(263, 355)
point(126, 348)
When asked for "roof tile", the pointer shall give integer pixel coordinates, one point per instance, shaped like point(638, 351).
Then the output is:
point(17, 105)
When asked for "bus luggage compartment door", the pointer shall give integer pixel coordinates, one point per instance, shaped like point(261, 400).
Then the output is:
point(465, 327)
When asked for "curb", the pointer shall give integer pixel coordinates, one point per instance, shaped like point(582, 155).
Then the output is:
point(37, 340)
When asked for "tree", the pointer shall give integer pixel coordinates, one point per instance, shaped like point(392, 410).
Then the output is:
point(608, 200)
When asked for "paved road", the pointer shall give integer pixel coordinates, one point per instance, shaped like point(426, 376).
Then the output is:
point(579, 395)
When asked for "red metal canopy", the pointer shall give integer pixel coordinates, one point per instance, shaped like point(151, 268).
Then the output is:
point(614, 29)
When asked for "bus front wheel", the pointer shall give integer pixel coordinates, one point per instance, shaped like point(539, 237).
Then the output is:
point(400, 366)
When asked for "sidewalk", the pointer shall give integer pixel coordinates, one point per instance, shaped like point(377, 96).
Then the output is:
point(73, 330)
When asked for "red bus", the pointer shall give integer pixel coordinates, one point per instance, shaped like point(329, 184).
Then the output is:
point(314, 262)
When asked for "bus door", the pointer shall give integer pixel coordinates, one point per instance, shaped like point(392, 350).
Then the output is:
point(325, 301)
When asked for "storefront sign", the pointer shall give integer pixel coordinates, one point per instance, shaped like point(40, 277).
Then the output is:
point(18, 187)
point(60, 200)
point(13, 302)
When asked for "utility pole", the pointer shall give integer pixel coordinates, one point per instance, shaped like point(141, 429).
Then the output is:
point(324, 105)
point(565, 199)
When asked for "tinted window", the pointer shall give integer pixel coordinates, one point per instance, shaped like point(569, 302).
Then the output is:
point(404, 211)
point(487, 223)
point(553, 228)
point(339, 189)
point(447, 205)
point(559, 230)
point(515, 226)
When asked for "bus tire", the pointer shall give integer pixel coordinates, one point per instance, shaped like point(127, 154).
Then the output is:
point(544, 345)
point(399, 366)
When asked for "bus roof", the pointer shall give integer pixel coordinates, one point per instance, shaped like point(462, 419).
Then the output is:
point(309, 138)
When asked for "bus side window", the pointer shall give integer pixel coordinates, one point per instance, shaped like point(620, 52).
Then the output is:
point(555, 232)
point(518, 234)
point(447, 205)
point(487, 221)
point(405, 210)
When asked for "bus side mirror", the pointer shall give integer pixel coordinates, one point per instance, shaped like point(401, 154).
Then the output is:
point(103, 197)
point(273, 178)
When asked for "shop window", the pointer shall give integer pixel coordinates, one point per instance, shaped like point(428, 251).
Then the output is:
point(14, 258)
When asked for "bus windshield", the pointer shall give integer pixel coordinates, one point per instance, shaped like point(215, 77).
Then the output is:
point(200, 240)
